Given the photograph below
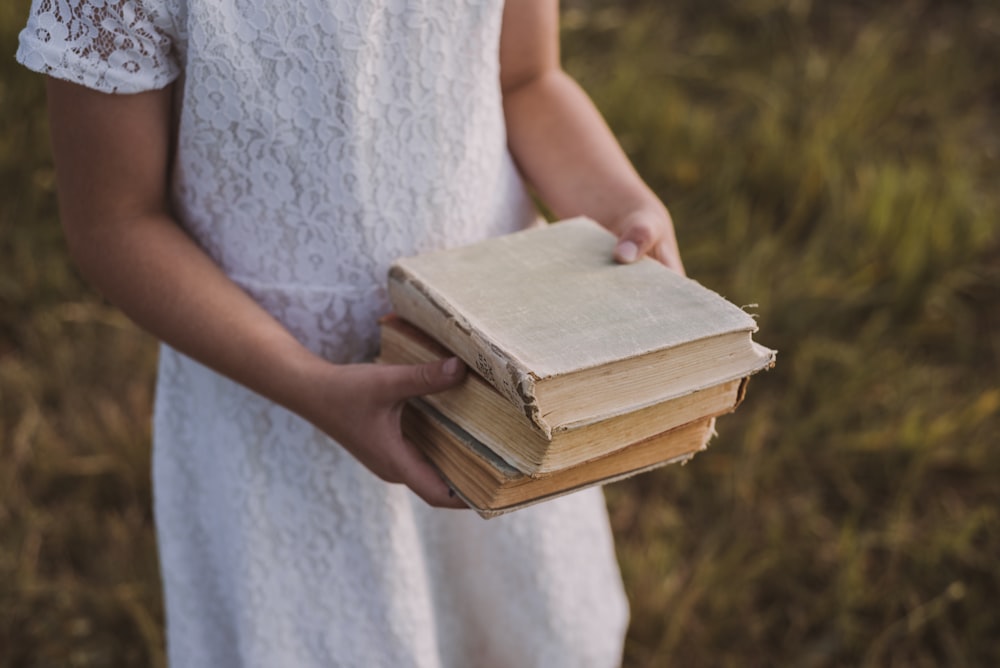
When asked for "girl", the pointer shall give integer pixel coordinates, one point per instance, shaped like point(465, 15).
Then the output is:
point(237, 175)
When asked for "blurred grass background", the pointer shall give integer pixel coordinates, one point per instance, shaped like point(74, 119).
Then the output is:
point(835, 163)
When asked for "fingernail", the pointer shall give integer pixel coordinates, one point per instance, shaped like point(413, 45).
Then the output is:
point(627, 251)
point(452, 366)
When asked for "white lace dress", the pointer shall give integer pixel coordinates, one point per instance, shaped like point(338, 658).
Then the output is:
point(316, 141)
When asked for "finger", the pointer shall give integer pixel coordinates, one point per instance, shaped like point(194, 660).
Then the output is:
point(636, 239)
point(667, 253)
point(423, 479)
point(428, 485)
point(415, 380)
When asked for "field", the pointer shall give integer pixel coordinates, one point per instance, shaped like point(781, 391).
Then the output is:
point(835, 163)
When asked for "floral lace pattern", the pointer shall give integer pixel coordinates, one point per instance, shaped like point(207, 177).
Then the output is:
point(317, 140)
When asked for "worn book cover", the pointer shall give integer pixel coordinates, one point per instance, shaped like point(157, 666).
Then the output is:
point(568, 335)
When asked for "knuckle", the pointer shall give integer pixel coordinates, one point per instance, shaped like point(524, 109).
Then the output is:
point(425, 375)
point(391, 474)
point(382, 381)
point(642, 229)
point(641, 235)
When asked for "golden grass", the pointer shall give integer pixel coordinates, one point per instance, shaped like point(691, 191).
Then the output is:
point(835, 163)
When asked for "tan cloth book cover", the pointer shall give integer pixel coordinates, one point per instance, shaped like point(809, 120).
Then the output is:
point(566, 334)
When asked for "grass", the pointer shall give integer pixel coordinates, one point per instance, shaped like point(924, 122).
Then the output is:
point(78, 572)
point(834, 163)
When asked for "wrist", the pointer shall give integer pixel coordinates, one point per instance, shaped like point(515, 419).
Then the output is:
point(300, 382)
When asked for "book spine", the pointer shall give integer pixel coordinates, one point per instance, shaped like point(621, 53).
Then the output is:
point(417, 304)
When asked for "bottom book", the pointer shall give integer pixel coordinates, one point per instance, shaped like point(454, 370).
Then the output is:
point(493, 487)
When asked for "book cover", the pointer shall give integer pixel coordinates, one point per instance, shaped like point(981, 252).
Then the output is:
point(564, 332)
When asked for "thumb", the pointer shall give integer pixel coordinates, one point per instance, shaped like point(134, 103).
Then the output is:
point(416, 380)
point(635, 239)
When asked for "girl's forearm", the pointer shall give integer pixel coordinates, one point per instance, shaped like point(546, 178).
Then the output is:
point(111, 154)
point(162, 280)
point(568, 153)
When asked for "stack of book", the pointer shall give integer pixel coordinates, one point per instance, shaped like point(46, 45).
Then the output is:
point(583, 371)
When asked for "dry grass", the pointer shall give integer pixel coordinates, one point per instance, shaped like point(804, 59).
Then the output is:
point(78, 572)
point(835, 163)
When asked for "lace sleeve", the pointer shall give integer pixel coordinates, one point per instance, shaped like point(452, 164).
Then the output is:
point(114, 46)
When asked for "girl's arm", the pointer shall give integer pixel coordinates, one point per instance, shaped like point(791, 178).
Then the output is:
point(562, 144)
point(111, 154)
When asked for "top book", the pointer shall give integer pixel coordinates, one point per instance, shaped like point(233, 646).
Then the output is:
point(568, 335)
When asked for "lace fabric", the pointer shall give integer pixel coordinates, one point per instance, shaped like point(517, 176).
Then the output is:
point(317, 141)
point(117, 47)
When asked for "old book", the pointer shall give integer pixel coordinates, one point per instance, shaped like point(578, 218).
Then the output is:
point(492, 487)
point(492, 420)
point(567, 335)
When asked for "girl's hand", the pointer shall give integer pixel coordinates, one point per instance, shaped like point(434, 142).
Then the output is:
point(647, 232)
point(360, 405)
point(564, 148)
